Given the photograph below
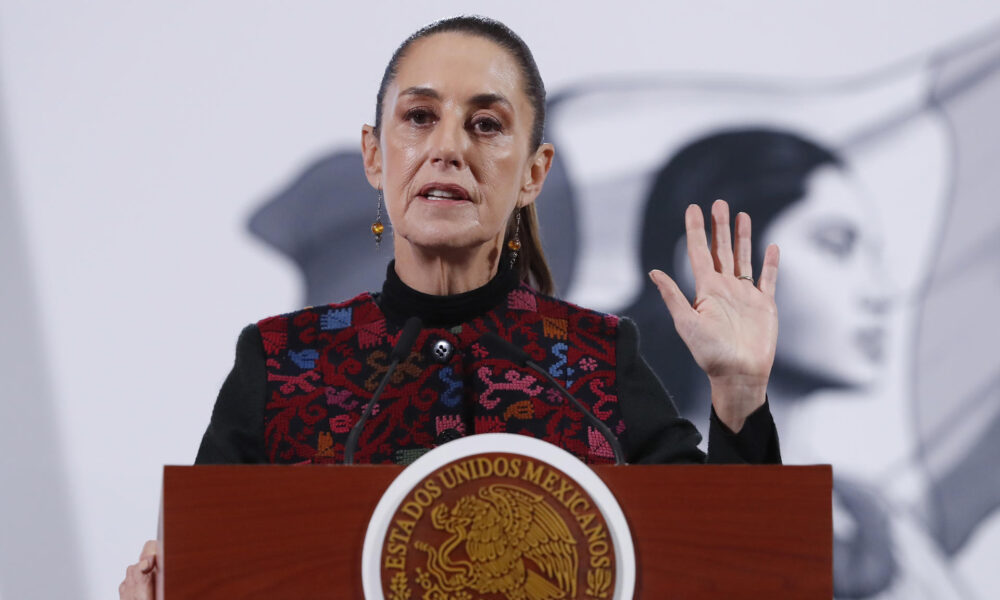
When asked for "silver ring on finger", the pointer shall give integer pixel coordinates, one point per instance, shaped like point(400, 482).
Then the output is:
point(747, 277)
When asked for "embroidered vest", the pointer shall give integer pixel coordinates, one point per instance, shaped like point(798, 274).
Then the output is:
point(324, 363)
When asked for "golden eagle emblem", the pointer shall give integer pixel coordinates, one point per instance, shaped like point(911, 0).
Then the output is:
point(514, 544)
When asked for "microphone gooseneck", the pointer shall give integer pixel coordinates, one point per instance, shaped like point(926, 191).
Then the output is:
point(522, 358)
point(411, 329)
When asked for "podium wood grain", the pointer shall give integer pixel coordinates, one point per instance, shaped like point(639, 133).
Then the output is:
point(297, 532)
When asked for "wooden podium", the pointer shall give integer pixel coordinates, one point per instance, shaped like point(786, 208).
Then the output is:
point(700, 531)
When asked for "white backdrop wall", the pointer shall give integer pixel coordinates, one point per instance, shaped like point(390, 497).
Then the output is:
point(140, 136)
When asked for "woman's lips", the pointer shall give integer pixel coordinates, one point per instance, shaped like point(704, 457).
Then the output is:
point(871, 340)
point(444, 192)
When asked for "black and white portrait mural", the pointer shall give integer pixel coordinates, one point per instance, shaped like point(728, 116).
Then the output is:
point(170, 172)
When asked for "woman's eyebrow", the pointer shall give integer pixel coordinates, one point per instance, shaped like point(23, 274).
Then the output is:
point(482, 100)
point(488, 99)
point(424, 92)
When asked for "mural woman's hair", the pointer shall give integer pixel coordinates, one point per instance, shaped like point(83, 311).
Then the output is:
point(758, 171)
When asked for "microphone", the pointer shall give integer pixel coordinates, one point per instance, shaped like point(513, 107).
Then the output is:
point(409, 334)
point(522, 358)
point(448, 435)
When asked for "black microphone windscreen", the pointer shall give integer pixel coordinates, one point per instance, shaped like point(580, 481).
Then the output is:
point(411, 329)
point(447, 435)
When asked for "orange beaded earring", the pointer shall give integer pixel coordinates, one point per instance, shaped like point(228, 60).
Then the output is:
point(377, 226)
point(514, 243)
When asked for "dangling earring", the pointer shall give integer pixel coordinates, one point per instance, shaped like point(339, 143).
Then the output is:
point(514, 243)
point(377, 226)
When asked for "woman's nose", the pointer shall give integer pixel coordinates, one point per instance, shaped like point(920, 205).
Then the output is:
point(447, 144)
point(879, 294)
point(880, 290)
point(877, 304)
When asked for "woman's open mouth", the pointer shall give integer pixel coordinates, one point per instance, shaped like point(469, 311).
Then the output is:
point(445, 192)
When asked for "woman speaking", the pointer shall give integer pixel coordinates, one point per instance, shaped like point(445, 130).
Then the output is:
point(454, 343)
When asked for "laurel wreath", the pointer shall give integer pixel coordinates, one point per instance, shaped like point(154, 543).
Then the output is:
point(399, 587)
point(598, 583)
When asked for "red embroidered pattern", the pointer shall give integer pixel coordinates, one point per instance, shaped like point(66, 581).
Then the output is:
point(325, 362)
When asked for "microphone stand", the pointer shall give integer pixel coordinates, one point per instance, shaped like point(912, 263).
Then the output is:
point(523, 359)
point(406, 338)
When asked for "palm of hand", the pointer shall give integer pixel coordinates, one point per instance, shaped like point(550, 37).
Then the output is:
point(731, 328)
point(733, 331)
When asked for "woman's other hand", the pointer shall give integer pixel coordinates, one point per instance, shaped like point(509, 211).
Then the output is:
point(731, 328)
point(140, 578)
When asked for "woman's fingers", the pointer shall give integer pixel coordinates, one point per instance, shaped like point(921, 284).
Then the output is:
point(722, 247)
point(137, 585)
point(147, 558)
point(724, 258)
point(697, 243)
point(744, 249)
point(139, 578)
point(672, 295)
point(769, 271)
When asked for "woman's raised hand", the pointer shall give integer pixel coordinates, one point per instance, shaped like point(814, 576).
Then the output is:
point(731, 328)
point(140, 578)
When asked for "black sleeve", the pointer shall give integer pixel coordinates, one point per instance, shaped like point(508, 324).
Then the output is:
point(756, 443)
point(236, 432)
point(656, 434)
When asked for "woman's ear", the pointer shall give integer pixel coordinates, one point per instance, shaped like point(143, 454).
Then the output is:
point(537, 171)
point(372, 155)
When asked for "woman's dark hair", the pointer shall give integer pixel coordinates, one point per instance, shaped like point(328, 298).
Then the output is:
point(758, 171)
point(531, 262)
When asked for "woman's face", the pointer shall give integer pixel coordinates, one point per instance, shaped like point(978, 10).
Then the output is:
point(453, 158)
point(831, 295)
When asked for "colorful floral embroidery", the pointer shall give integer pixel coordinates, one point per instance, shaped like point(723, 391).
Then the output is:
point(522, 299)
point(446, 422)
point(514, 381)
point(554, 328)
point(324, 364)
point(305, 359)
point(336, 319)
point(452, 394)
point(274, 334)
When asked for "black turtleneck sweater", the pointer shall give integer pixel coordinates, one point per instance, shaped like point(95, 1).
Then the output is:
point(654, 431)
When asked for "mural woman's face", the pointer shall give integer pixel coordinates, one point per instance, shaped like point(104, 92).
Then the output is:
point(831, 295)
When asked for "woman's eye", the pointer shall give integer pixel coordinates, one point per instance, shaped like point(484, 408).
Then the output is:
point(486, 125)
point(839, 239)
point(420, 116)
